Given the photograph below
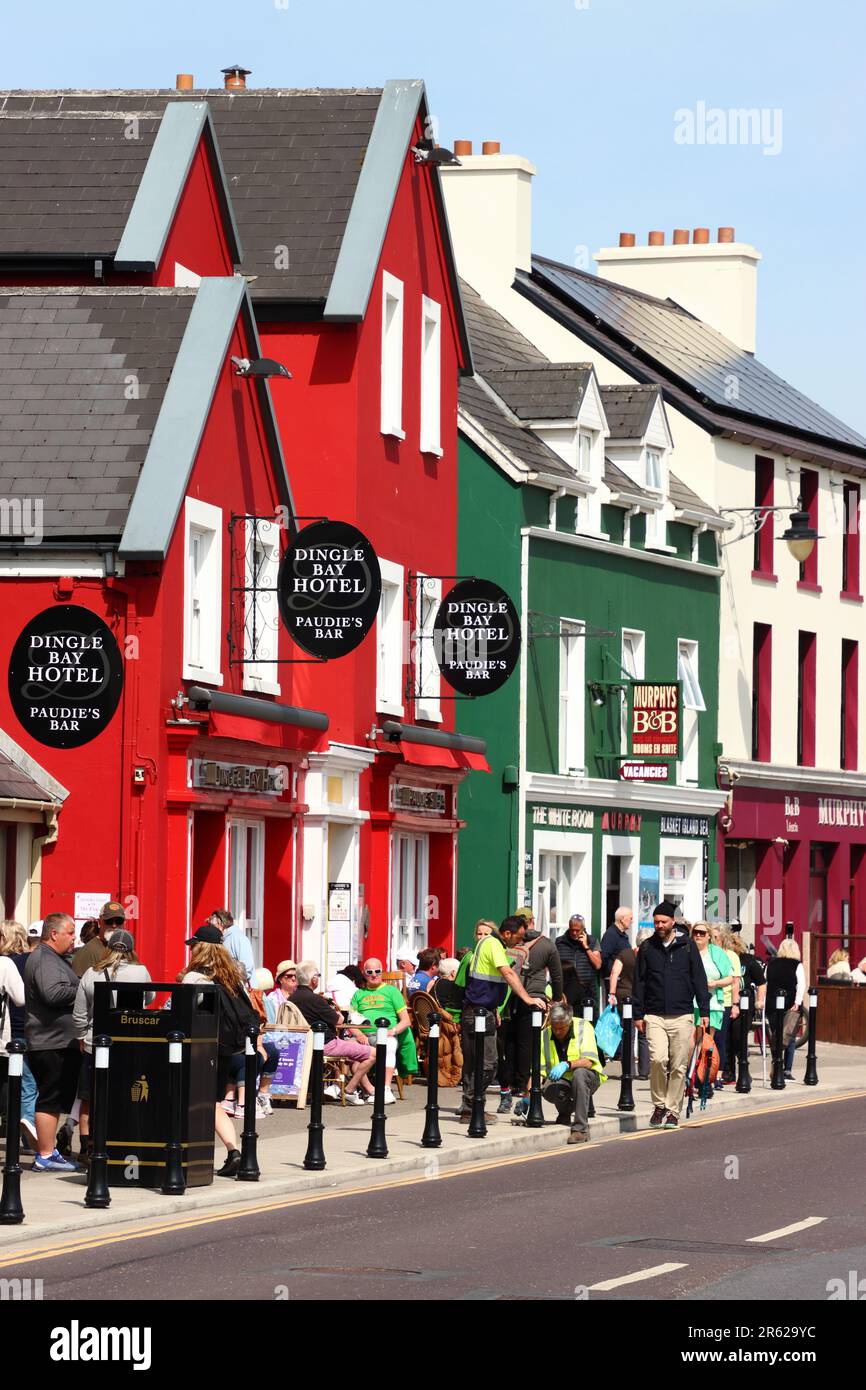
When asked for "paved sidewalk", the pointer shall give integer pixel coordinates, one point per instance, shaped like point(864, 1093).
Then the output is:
point(54, 1204)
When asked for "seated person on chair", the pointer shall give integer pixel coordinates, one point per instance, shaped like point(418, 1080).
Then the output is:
point(376, 1000)
point(317, 1009)
point(570, 1069)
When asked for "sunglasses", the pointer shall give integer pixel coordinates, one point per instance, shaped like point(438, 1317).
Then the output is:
point(114, 921)
point(372, 972)
point(699, 933)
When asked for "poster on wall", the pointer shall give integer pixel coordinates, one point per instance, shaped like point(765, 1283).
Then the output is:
point(339, 902)
point(65, 676)
point(292, 1075)
point(329, 588)
point(476, 637)
point(654, 719)
point(648, 893)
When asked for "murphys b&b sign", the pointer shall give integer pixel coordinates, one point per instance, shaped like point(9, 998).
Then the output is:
point(655, 719)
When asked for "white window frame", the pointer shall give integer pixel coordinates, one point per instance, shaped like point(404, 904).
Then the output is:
point(691, 852)
point(409, 933)
point(261, 675)
point(572, 696)
point(428, 681)
point(389, 641)
point(584, 438)
point(693, 705)
point(392, 357)
point(638, 674)
point(205, 520)
point(574, 895)
point(651, 486)
point(431, 377)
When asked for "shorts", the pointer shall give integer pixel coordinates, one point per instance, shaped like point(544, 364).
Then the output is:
point(264, 1066)
point(85, 1076)
point(349, 1048)
point(55, 1071)
point(224, 1061)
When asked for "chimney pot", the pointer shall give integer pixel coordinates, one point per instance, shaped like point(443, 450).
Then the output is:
point(626, 238)
point(726, 234)
point(656, 239)
point(235, 77)
point(681, 236)
point(701, 236)
point(490, 147)
point(462, 147)
point(184, 82)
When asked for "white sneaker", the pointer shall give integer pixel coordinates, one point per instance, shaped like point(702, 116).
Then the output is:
point(333, 1091)
point(389, 1096)
point(352, 1098)
point(263, 1106)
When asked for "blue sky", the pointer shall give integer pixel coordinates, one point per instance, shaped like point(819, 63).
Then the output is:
point(586, 89)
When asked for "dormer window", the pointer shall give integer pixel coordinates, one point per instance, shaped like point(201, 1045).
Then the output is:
point(584, 453)
point(653, 470)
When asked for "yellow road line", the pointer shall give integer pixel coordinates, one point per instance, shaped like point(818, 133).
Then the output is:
point(75, 1245)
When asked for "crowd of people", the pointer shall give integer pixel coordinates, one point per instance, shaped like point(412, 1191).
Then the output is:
point(685, 981)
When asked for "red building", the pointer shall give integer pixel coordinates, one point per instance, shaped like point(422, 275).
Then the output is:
point(317, 799)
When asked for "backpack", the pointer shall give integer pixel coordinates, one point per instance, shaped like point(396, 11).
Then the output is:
point(235, 1016)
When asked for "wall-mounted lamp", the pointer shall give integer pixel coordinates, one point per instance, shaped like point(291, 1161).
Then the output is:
point(259, 367)
point(597, 694)
point(801, 535)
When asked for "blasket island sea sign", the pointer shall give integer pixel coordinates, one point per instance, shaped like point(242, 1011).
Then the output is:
point(329, 588)
point(65, 676)
point(477, 637)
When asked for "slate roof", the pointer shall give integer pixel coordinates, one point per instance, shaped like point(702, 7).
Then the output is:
point(629, 409)
point(684, 499)
point(69, 435)
point(16, 785)
point(292, 160)
point(682, 349)
point(620, 483)
point(542, 390)
point(483, 406)
point(495, 342)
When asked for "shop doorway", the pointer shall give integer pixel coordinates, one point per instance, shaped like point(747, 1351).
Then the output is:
point(247, 878)
point(410, 869)
point(559, 891)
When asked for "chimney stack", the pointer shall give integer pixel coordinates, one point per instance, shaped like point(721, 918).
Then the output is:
point(716, 281)
point(235, 78)
point(462, 147)
point(184, 82)
point(488, 197)
point(491, 147)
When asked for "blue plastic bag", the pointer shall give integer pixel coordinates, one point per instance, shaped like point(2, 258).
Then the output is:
point(608, 1031)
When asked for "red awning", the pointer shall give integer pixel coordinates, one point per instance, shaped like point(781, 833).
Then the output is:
point(428, 755)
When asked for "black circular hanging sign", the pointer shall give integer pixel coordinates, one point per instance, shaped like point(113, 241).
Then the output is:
point(329, 588)
point(65, 676)
point(477, 637)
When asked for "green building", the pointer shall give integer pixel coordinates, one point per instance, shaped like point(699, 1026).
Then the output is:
point(567, 498)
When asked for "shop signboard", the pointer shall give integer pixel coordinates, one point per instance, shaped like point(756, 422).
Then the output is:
point(644, 772)
point(476, 637)
point(329, 588)
point(292, 1076)
point(654, 719)
point(65, 676)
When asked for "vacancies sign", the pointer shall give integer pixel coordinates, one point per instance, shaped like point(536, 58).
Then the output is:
point(655, 714)
point(329, 588)
point(477, 637)
point(65, 676)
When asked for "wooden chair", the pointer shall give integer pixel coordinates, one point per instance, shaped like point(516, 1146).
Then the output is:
point(421, 1006)
point(336, 1073)
point(396, 978)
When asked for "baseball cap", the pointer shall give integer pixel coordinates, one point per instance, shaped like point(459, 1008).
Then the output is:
point(121, 941)
point(283, 966)
point(113, 909)
point(525, 912)
point(409, 958)
point(35, 928)
point(212, 935)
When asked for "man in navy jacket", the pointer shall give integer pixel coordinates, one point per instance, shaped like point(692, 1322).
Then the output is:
point(669, 980)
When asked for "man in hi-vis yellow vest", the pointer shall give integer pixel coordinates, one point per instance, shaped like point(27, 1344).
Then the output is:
point(570, 1069)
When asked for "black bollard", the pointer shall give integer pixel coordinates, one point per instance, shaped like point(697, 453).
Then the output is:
point(315, 1155)
point(11, 1210)
point(626, 1099)
point(97, 1194)
point(778, 1079)
point(431, 1138)
point(535, 1117)
point(744, 1078)
point(811, 1077)
point(588, 1011)
point(377, 1147)
point(249, 1169)
point(174, 1183)
point(477, 1124)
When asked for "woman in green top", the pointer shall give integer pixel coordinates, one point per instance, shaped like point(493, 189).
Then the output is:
point(718, 971)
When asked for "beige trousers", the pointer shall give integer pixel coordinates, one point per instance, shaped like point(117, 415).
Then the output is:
point(670, 1044)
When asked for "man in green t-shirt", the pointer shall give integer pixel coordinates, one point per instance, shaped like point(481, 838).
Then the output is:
point(376, 1000)
point(488, 978)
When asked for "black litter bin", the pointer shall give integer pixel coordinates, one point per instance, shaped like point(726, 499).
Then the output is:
point(139, 1112)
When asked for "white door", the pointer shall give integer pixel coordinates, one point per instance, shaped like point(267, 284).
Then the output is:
point(247, 882)
point(556, 877)
point(409, 874)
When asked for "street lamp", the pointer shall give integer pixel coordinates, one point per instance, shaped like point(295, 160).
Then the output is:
point(801, 535)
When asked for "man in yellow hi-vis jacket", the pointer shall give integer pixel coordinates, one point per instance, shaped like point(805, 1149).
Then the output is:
point(570, 1069)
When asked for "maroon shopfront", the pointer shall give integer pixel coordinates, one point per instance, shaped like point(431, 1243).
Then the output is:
point(805, 854)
